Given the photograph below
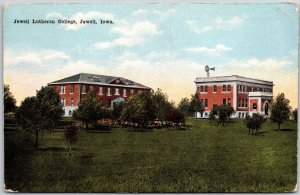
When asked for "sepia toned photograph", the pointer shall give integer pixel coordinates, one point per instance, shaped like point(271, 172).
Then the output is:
point(150, 97)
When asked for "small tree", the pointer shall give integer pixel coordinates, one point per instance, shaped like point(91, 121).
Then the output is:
point(9, 100)
point(295, 114)
point(212, 114)
point(255, 122)
point(229, 111)
point(40, 113)
point(222, 114)
point(71, 135)
point(161, 103)
point(90, 109)
point(139, 108)
point(184, 106)
point(196, 105)
point(280, 110)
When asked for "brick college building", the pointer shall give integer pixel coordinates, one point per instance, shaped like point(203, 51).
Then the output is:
point(109, 89)
point(245, 95)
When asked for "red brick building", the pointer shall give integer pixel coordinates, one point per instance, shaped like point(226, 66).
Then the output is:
point(245, 95)
point(109, 89)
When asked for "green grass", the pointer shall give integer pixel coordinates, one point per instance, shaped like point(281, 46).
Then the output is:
point(202, 158)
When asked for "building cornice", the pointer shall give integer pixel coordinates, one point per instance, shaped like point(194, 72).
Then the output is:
point(233, 78)
point(100, 84)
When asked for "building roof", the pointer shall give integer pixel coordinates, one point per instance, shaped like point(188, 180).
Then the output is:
point(86, 78)
point(232, 78)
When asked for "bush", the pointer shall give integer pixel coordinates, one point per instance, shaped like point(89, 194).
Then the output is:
point(175, 116)
point(254, 123)
point(71, 134)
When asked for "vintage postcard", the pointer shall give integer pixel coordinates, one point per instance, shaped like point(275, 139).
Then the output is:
point(150, 97)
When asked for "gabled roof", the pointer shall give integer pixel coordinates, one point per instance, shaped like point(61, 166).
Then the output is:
point(98, 80)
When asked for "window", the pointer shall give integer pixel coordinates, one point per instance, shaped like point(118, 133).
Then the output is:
point(70, 112)
point(224, 101)
point(206, 88)
point(117, 92)
point(246, 103)
point(100, 90)
point(254, 106)
point(201, 88)
point(124, 92)
point(229, 102)
point(224, 87)
point(206, 102)
point(108, 91)
point(215, 88)
point(131, 91)
point(229, 87)
point(63, 101)
point(62, 89)
point(243, 103)
point(83, 89)
point(71, 88)
point(72, 102)
point(201, 100)
point(239, 102)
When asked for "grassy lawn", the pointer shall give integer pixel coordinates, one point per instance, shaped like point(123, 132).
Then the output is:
point(202, 158)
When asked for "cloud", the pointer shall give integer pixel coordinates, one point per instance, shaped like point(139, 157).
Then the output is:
point(32, 58)
point(218, 48)
point(219, 23)
point(131, 34)
point(81, 16)
point(164, 15)
point(140, 12)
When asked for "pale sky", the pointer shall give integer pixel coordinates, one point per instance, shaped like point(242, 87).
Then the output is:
point(159, 45)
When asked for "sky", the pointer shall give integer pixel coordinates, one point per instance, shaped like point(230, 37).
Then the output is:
point(159, 45)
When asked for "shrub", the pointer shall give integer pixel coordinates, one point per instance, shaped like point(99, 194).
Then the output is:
point(175, 116)
point(254, 123)
point(280, 110)
point(71, 134)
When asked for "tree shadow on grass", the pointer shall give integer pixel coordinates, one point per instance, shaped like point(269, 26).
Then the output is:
point(57, 149)
point(284, 130)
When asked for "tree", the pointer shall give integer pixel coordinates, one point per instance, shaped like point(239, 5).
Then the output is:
point(161, 103)
point(255, 122)
point(280, 110)
point(196, 105)
point(139, 108)
point(71, 134)
point(184, 106)
point(50, 107)
point(90, 109)
point(295, 114)
point(224, 112)
point(9, 100)
point(40, 113)
point(212, 114)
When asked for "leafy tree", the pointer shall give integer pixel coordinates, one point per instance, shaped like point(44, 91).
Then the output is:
point(139, 108)
point(71, 134)
point(295, 114)
point(117, 110)
point(196, 105)
point(161, 103)
point(224, 112)
point(40, 113)
point(212, 114)
point(90, 109)
point(50, 107)
point(280, 110)
point(255, 122)
point(9, 100)
point(184, 106)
